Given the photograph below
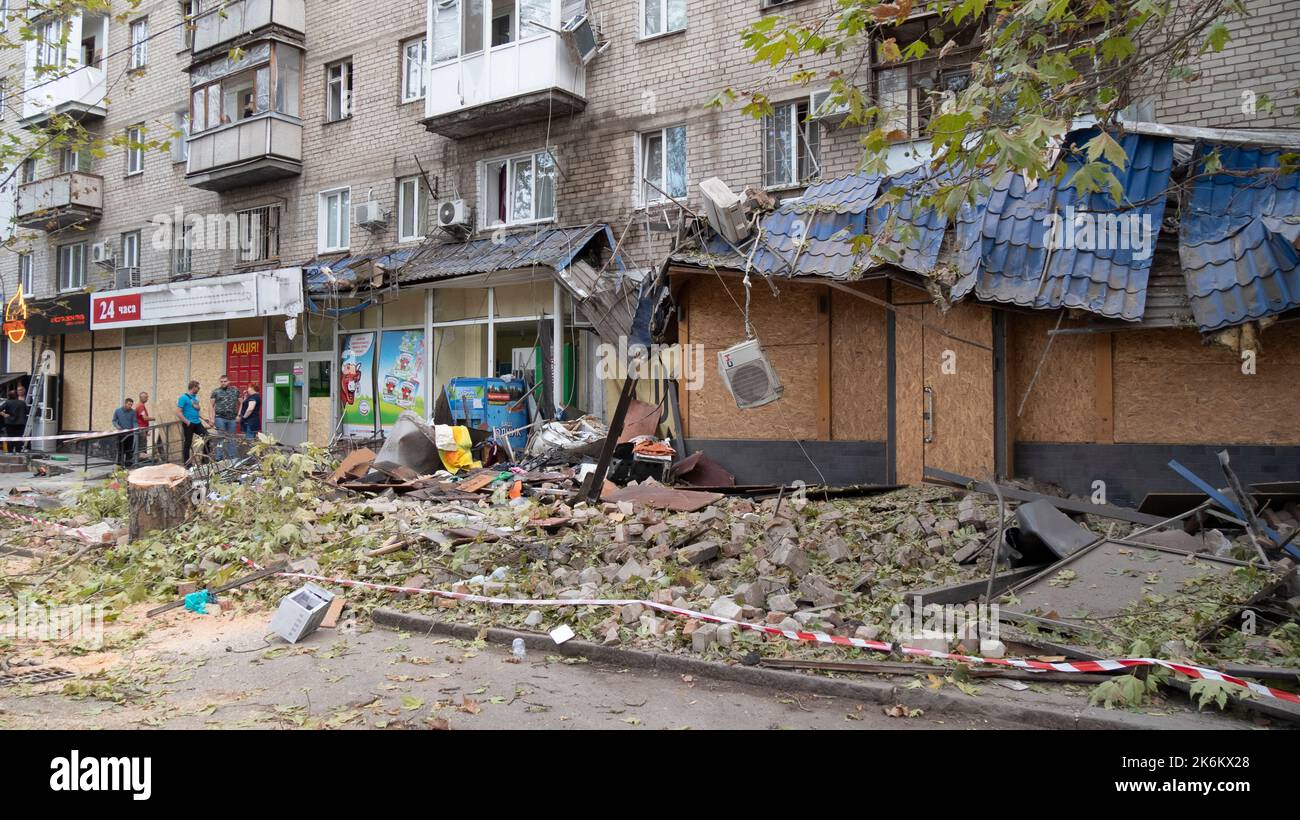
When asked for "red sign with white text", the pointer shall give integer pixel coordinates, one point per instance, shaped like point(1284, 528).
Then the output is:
point(106, 310)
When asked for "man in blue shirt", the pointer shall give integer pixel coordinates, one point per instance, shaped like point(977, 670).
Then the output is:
point(124, 419)
point(187, 410)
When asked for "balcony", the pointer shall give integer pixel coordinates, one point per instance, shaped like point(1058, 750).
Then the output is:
point(242, 17)
point(61, 77)
point(262, 148)
point(504, 85)
point(61, 201)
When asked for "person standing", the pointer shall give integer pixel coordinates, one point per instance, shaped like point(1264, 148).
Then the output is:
point(250, 413)
point(143, 419)
point(124, 419)
point(187, 410)
point(225, 412)
point(14, 413)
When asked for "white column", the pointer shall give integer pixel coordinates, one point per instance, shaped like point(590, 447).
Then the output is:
point(557, 346)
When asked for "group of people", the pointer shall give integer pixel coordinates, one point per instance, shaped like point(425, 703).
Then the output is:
point(233, 411)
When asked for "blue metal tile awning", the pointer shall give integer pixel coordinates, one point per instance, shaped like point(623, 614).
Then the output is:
point(322, 275)
point(913, 238)
point(1003, 241)
point(553, 248)
point(1237, 238)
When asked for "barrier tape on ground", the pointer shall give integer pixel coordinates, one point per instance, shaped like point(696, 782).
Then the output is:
point(818, 637)
point(75, 532)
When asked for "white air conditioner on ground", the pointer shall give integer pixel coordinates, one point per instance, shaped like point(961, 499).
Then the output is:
point(369, 214)
point(453, 214)
point(725, 210)
point(101, 253)
point(749, 375)
point(822, 107)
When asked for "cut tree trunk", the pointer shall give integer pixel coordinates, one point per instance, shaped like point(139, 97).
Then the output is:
point(158, 497)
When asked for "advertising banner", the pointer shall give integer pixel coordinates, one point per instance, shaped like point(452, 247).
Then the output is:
point(400, 373)
point(357, 384)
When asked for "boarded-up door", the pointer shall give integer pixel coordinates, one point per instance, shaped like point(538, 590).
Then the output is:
point(943, 389)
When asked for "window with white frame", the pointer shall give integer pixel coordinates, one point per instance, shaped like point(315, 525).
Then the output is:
point(25, 272)
point(514, 20)
point(135, 150)
point(412, 207)
point(183, 254)
point(51, 48)
point(189, 8)
point(72, 266)
point(181, 141)
point(662, 16)
point(791, 146)
point(28, 172)
point(139, 43)
point(131, 256)
point(4, 15)
point(338, 91)
point(413, 55)
point(4, 96)
point(333, 230)
point(663, 164)
point(70, 161)
point(519, 189)
point(259, 234)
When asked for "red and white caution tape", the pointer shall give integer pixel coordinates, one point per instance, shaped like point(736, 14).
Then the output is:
point(818, 637)
point(75, 532)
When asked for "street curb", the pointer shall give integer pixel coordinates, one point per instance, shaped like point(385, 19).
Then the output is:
point(873, 691)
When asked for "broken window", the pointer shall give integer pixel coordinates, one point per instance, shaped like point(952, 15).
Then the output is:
point(791, 146)
point(338, 91)
point(446, 30)
point(520, 189)
point(413, 52)
point(230, 90)
point(663, 164)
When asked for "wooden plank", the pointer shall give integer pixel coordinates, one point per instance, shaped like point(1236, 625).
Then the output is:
point(238, 582)
point(824, 364)
point(1104, 387)
point(684, 338)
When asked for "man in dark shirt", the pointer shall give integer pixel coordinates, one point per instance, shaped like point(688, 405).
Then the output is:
point(14, 412)
point(225, 411)
point(124, 419)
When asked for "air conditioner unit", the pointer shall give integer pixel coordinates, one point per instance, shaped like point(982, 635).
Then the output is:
point(748, 374)
point(583, 36)
point(453, 214)
point(101, 253)
point(126, 278)
point(369, 213)
point(822, 107)
point(724, 210)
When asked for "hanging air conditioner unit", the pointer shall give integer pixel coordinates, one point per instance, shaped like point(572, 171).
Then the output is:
point(724, 209)
point(748, 374)
point(101, 253)
point(453, 214)
point(823, 108)
point(369, 214)
point(582, 35)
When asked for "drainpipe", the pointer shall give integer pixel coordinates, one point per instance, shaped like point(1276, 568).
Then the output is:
point(557, 347)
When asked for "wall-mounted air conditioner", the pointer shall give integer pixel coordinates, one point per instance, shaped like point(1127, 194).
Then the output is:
point(582, 35)
point(124, 278)
point(101, 253)
point(822, 107)
point(724, 209)
point(453, 214)
point(749, 375)
point(369, 214)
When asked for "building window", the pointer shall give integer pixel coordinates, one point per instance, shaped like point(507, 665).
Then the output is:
point(413, 54)
point(338, 91)
point(69, 161)
point(139, 43)
point(791, 146)
point(507, 28)
point(334, 228)
point(189, 8)
point(181, 137)
point(663, 163)
point(662, 16)
point(520, 189)
point(51, 48)
point(259, 234)
point(412, 205)
point(183, 256)
point(128, 273)
point(72, 266)
point(4, 95)
point(908, 96)
point(25, 272)
point(135, 150)
point(28, 170)
point(250, 92)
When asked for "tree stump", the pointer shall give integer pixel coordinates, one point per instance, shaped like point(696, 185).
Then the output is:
point(158, 497)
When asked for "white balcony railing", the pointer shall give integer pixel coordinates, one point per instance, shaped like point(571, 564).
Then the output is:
point(262, 147)
point(538, 64)
point(60, 199)
point(219, 22)
point(79, 91)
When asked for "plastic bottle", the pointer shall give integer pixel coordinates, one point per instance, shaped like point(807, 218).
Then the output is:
point(517, 648)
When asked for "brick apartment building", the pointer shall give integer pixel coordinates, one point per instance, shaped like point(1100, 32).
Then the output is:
point(333, 143)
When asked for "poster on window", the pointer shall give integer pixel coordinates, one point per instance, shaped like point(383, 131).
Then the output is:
point(401, 369)
point(357, 384)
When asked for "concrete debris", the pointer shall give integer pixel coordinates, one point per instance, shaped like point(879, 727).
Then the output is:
point(698, 553)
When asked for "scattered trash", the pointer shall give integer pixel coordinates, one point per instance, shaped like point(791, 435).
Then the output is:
point(562, 633)
point(301, 613)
